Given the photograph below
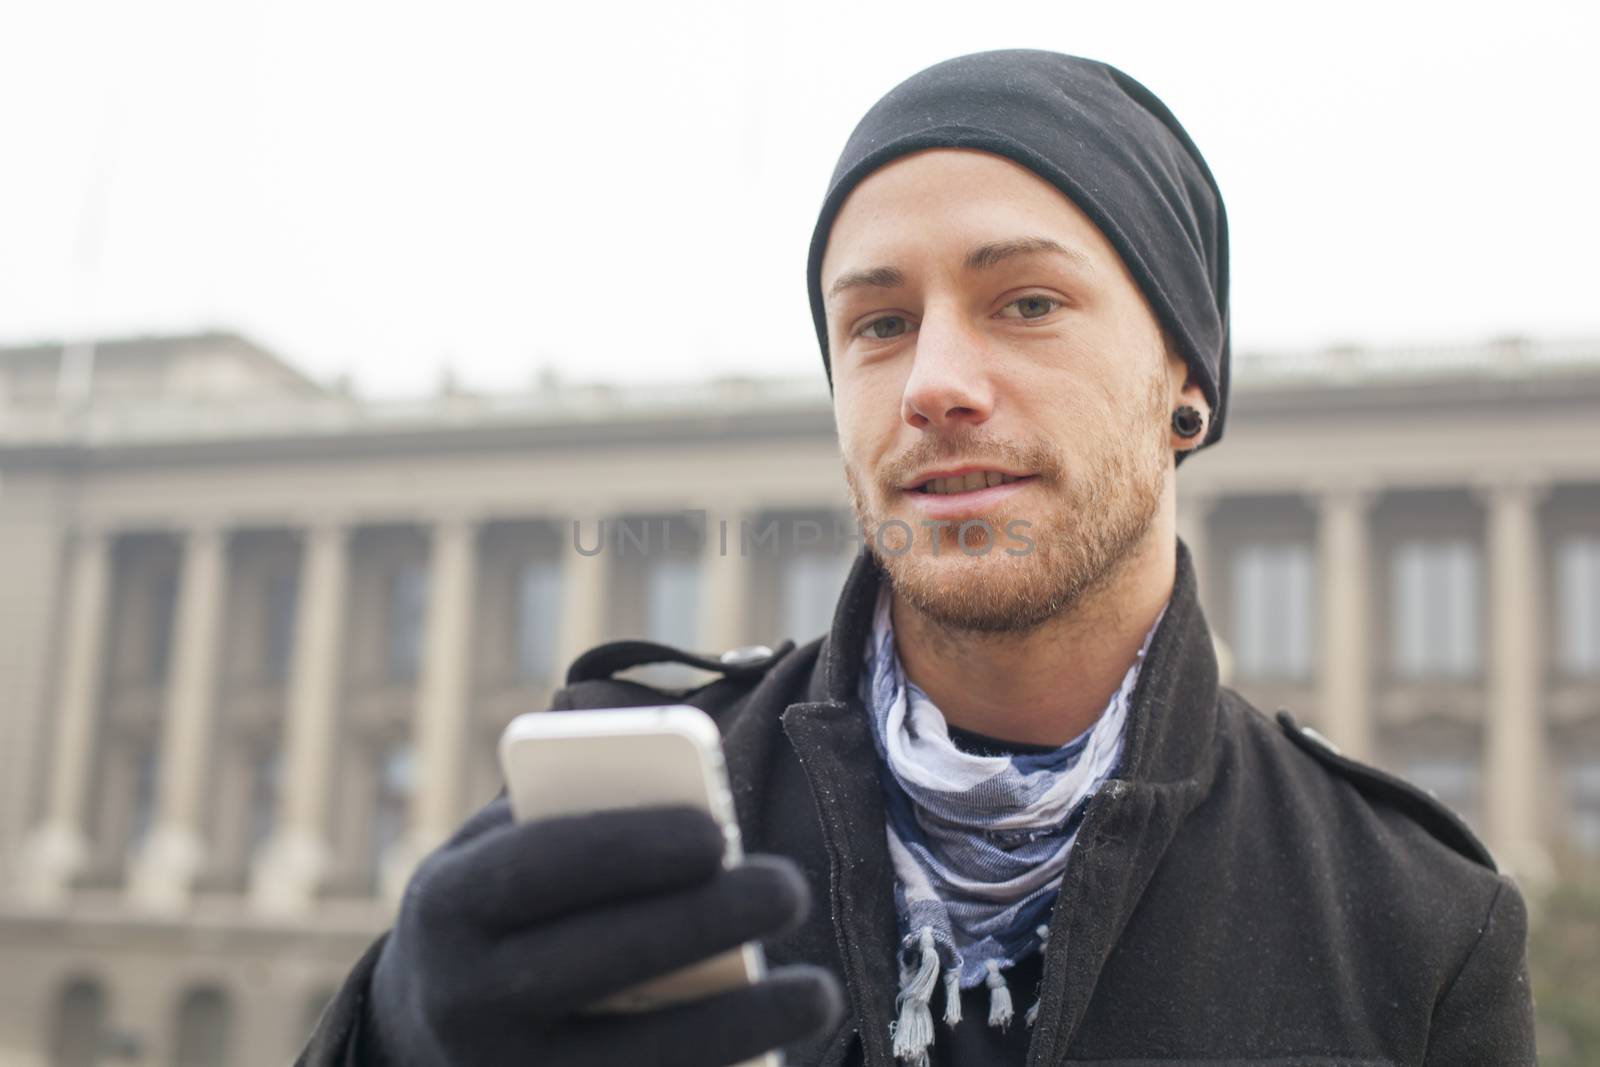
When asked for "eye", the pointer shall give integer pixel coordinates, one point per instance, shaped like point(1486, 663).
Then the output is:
point(884, 328)
point(1030, 307)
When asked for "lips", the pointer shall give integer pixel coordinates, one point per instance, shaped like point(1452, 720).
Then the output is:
point(945, 481)
point(961, 483)
point(937, 498)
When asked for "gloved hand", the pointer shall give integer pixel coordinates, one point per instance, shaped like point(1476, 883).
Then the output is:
point(510, 928)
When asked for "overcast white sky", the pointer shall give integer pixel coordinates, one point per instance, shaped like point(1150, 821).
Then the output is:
point(626, 191)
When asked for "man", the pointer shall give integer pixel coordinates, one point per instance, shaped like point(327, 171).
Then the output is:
point(1034, 827)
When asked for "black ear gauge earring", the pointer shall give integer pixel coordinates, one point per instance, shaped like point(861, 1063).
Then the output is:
point(1188, 422)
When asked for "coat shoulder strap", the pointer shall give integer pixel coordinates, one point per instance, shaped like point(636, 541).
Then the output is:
point(745, 663)
point(600, 678)
point(1420, 804)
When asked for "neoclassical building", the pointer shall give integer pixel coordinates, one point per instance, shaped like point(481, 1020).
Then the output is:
point(258, 637)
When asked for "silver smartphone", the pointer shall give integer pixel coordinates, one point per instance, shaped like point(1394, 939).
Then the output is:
point(576, 762)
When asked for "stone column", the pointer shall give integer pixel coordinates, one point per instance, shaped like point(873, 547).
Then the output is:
point(165, 869)
point(439, 723)
point(32, 607)
point(58, 849)
point(294, 860)
point(1514, 732)
point(1344, 663)
point(724, 584)
point(585, 565)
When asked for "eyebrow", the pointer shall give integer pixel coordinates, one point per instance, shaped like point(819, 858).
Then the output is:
point(996, 252)
point(982, 257)
point(876, 277)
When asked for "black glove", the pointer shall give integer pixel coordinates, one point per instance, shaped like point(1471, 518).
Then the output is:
point(510, 928)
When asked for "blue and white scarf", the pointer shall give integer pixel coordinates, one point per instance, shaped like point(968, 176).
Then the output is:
point(979, 843)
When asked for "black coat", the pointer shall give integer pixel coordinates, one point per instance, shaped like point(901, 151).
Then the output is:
point(1241, 895)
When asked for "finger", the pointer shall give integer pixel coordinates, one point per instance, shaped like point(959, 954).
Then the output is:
point(790, 1005)
point(593, 953)
point(521, 874)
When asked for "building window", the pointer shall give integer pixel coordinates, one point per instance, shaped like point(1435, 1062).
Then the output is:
point(1453, 780)
point(396, 779)
point(281, 593)
point(204, 1019)
point(811, 585)
point(1273, 610)
point(538, 605)
point(672, 606)
point(1436, 595)
point(1583, 790)
point(163, 608)
point(78, 1035)
point(408, 594)
point(1578, 567)
point(266, 772)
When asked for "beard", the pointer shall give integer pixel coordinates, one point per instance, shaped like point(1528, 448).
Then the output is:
point(1085, 523)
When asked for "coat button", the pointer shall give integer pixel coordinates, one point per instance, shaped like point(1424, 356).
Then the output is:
point(745, 655)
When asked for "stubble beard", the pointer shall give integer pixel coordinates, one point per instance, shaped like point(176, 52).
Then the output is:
point(1085, 526)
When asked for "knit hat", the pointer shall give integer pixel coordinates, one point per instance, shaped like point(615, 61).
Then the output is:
point(1107, 143)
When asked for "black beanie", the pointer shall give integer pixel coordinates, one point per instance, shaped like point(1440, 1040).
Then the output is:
point(1100, 137)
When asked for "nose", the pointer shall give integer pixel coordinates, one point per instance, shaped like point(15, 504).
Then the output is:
point(949, 380)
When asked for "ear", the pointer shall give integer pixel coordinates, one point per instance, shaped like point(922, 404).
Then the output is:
point(1183, 390)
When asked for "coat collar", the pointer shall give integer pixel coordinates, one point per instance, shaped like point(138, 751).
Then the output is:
point(1168, 766)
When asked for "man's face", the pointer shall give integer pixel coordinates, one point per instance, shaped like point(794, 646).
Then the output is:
point(981, 327)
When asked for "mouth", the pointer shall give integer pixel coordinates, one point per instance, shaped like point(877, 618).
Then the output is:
point(964, 480)
point(966, 493)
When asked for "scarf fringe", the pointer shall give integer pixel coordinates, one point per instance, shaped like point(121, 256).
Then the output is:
point(952, 996)
point(1033, 1011)
point(1000, 1010)
point(913, 1031)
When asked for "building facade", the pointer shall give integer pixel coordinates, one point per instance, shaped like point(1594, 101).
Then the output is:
point(258, 638)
